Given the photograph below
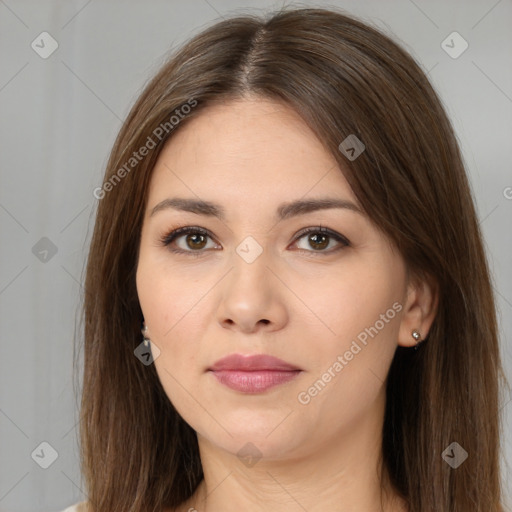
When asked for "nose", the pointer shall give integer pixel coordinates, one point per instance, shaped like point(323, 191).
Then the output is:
point(252, 298)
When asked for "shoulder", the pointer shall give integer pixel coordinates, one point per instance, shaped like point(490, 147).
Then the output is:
point(77, 507)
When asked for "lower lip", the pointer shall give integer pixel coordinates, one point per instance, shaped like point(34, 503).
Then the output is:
point(254, 381)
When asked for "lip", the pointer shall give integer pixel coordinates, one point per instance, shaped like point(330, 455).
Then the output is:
point(253, 374)
point(256, 362)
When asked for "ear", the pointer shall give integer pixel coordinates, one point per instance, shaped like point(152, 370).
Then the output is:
point(420, 308)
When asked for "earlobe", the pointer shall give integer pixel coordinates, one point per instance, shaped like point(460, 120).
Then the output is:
point(419, 311)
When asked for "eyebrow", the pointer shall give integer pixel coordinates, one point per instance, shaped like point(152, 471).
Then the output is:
point(284, 211)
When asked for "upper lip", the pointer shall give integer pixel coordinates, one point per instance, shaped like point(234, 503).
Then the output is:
point(252, 363)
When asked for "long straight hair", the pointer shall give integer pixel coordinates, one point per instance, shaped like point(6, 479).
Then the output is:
point(344, 78)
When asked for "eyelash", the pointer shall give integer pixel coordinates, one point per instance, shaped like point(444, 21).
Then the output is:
point(167, 239)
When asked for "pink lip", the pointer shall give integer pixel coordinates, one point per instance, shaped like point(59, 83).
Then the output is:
point(253, 374)
point(252, 363)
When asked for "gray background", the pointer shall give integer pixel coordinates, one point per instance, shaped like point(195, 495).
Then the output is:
point(58, 119)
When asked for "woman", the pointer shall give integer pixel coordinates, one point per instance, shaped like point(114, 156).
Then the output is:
point(286, 216)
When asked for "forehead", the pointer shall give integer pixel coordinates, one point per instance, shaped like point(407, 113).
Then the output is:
point(255, 148)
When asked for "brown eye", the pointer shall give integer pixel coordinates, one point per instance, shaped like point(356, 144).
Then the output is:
point(188, 239)
point(318, 241)
point(321, 240)
point(195, 241)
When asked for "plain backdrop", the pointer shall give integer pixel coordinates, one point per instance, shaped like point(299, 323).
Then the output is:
point(59, 115)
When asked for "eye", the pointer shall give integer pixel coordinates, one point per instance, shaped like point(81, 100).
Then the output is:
point(187, 239)
point(193, 239)
point(321, 240)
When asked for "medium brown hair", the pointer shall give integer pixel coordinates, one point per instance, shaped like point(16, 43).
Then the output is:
point(343, 77)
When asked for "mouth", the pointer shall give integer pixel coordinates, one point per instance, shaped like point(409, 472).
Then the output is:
point(253, 374)
point(254, 381)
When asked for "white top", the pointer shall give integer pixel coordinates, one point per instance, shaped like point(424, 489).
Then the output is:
point(77, 507)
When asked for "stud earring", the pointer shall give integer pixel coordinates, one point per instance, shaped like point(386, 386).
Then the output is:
point(144, 332)
point(417, 337)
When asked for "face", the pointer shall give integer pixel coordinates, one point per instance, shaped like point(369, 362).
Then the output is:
point(318, 288)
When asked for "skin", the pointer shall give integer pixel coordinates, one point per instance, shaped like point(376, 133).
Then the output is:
point(302, 305)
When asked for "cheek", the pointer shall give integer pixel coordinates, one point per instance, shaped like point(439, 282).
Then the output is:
point(173, 308)
point(352, 349)
point(169, 300)
point(348, 303)
point(172, 313)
